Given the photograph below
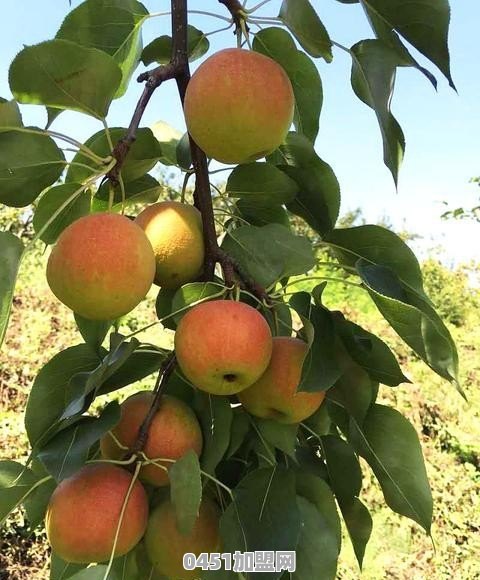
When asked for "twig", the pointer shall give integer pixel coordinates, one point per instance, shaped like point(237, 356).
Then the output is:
point(202, 194)
point(238, 14)
point(178, 69)
point(162, 379)
point(154, 79)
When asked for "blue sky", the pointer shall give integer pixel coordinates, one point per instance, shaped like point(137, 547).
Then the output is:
point(441, 129)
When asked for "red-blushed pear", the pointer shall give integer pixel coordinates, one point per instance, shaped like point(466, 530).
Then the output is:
point(274, 395)
point(166, 546)
point(102, 266)
point(222, 346)
point(84, 513)
point(176, 234)
point(239, 105)
point(173, 431)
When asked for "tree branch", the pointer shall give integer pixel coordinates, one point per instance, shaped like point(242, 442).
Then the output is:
point(154, 79)
point(164, 374)
point(236, 10)
point(178, 69)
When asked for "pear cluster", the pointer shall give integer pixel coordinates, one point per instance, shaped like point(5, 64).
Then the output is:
point(238, 107)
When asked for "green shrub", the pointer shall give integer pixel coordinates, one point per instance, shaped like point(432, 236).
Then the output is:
point(450, 290)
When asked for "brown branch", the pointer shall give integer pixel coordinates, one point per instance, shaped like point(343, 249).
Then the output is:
point(154, 79)
point(233, 6)
point(238, 15)
point(178, 69)
point(164, 374)
point(202, 194)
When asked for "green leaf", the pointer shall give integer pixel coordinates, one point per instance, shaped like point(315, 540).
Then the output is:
point(324, 538)
point(345, 478)
point(279, 318)
point(317, 550)
point(84, 385)
point(54, 198)
point(52, 114)
point(261, 182)
point(319, 422)
point(10, 115)
point(92, 573)
point(183, 153)
point(136, 566)
point(180, 388)
point(192, 293)
point(163, 307)
point(308, 461)
point(354, 390)
point(262, 214)
point(28, 164)
point(37, 501)
point(49, 392)
point(68, 450)
point(16, 482)
point(186, 490)
point(321, 367)
point(423, 23)
point(61, 570)
point(168, 138)
point(373, 78)
point(239, 430)
point(303, 74)
point(64, 75)
point(11, 251)
point(390, 445)
point(385, 33)
point(269, 253)
point(160, 49)
point(377, 245)
point(370, 352)
point(215, 415)
point(93, 331)
point(359, 526)
point(142, 362)
point(113, 27)
point(318, 201)
point(316, 490)
point(343, 467)
point(338, 415)
point(304, 23)
point(263, 515)
point(145, 189)
point(143, 155)
point(413, 318)
point(283, 437)
point(127, 567)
